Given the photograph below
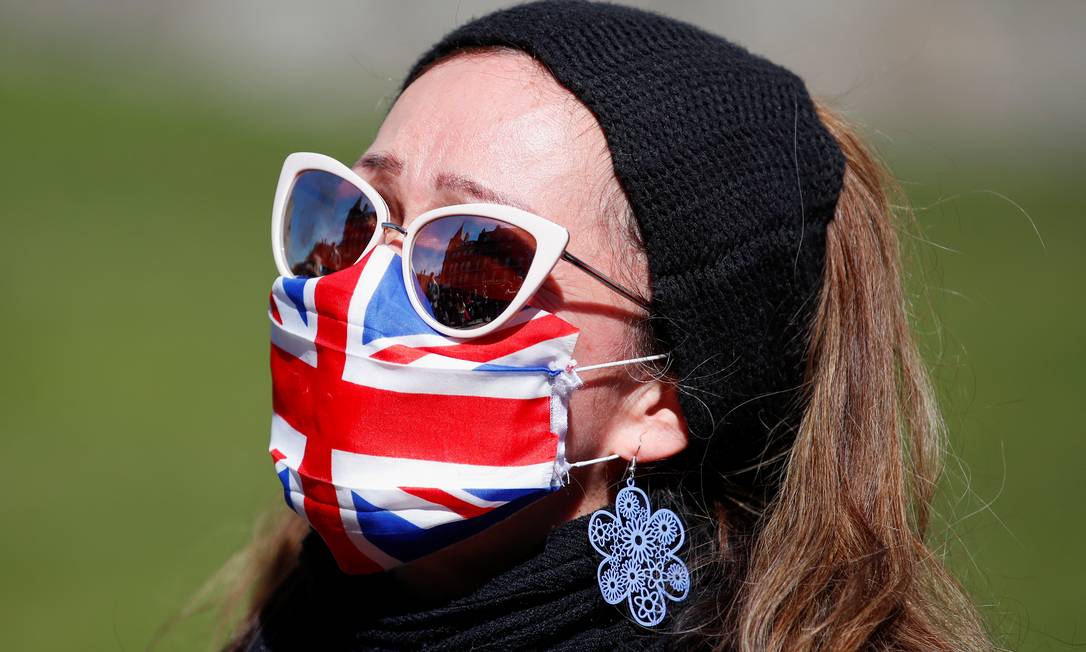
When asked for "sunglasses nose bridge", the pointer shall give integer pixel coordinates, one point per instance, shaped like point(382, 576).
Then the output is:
point(394, 239)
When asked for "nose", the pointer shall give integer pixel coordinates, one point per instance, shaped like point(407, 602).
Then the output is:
point(395, 239)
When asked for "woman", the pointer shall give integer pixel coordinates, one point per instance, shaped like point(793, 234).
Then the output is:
point(730, 244)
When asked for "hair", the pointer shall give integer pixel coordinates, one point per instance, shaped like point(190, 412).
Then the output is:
point(835, 556)
point(821, 545)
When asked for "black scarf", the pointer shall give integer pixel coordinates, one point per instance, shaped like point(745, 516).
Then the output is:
point(550, 601)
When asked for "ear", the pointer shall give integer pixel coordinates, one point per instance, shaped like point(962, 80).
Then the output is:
point(653, 421)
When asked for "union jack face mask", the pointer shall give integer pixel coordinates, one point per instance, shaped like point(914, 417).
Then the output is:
point(417, 400)
point(393, 440)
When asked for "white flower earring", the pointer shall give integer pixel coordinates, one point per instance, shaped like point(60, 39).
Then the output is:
point(638, 547)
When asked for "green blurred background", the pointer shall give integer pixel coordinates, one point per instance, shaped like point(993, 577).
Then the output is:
point(142, 142)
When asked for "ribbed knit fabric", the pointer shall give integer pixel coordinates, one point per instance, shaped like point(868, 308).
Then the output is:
point(732, 178)
point(551, 601)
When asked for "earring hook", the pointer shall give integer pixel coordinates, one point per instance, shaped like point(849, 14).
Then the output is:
point(633, 462)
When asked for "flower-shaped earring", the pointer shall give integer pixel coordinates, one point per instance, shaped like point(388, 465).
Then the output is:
point(638, 547)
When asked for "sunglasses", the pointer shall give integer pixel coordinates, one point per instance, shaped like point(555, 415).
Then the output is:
point(467, 268)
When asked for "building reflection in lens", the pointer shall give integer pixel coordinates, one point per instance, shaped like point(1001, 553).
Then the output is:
point(343, 251)
point(470, 268)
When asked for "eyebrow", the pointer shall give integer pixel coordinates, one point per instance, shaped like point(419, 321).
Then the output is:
point(382, 162)
point(390, 164)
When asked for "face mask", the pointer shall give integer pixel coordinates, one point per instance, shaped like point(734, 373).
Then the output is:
point(394, 441)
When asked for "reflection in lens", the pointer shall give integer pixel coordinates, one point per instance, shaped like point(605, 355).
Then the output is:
point(469, 268)
point(329, 222)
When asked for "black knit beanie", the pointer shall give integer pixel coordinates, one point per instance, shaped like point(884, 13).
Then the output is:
point(732, 178)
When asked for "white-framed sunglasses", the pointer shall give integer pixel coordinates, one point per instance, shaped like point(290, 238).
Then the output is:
point(468, 268)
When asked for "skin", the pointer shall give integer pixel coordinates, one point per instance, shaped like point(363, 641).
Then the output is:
point(498, 128)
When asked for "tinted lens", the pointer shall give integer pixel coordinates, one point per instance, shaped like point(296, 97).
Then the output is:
point(328, 224)
point(470, 268)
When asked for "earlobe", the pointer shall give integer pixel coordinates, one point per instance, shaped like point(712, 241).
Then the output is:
point(655, 429)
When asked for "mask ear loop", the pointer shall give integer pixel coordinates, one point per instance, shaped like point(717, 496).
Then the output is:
point(569, 466)
point(619, 363)
point(606, 458)
point(572, 368)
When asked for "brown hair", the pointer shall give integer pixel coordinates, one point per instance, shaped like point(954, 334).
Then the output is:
point(839, 560)
point(833, 555)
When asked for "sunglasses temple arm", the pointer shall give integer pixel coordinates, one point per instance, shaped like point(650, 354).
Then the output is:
point(599, 276)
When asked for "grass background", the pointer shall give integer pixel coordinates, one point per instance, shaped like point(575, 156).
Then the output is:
point(134, 394)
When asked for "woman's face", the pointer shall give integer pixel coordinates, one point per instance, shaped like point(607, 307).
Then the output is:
point(496, 128)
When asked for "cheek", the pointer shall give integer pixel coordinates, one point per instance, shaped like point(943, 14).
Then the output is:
point(549, 297)
point(594, 407)
point(588, 422)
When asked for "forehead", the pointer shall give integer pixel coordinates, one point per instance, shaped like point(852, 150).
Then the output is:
point(499, 118)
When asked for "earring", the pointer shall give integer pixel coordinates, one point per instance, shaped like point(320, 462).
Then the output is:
point(639, 561)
